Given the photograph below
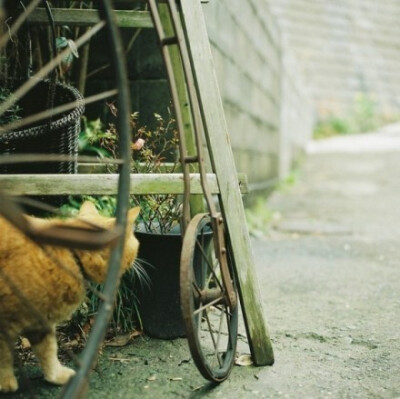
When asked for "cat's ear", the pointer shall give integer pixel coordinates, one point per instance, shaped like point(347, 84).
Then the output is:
point(133, 214)
point(88, 208)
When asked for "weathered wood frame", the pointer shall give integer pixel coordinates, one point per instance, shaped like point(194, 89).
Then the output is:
point(221, 155)
point(106, 184)
point(224, 182)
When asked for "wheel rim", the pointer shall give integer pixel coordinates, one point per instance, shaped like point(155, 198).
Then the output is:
point(78, 385)
point(211, 325)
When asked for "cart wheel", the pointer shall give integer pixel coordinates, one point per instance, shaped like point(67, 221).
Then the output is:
point(211, 324)
point(58, 116)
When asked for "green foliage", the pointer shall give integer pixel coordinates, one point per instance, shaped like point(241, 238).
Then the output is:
point(259, 217)
point(364, 117)
point(125, 316)
point(159, 153)
point(158, 213)
point(105, 204)
point(365, 114)
point(331, 126)
point(11, 114)
point(290, 180)
point(155, 151)
point(95, 140)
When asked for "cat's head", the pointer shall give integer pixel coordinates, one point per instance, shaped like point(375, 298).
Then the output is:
point(95, 262)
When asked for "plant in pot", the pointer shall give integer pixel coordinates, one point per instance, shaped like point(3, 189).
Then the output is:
point(96, 139)
point(154, 149)
point(158, 230)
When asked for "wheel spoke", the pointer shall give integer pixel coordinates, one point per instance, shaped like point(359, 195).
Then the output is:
point(225, 310)
point(56, 111)
point(211, 267)
point(214, 274)
point(18, 23)
point(200, 247)
point(208, 305)
point(45, 70)
point(210, 330)
point(219, 337)
point(212, 333)
point(195, 286)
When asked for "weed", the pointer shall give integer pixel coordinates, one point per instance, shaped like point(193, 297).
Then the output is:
point(11, 114)
point(259, 217)
point(363, 117)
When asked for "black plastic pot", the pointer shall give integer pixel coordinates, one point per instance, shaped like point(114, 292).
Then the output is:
point(159, 305)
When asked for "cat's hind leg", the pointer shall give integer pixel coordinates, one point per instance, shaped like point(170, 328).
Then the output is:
point(8, 382)
point(45, 348)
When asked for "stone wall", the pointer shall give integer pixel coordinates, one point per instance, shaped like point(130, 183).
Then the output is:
point(344, 47)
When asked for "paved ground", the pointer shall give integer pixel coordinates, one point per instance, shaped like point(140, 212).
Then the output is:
point(329, 268)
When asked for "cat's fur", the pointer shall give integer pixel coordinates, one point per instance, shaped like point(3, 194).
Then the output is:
point(52, 293)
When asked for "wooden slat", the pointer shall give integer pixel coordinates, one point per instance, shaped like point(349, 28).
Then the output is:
point(224, 167)
point(103, 184)
point(77, 17)
point(197, 204)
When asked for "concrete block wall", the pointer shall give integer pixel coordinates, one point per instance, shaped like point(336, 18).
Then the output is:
point(344, 47)
point(297, 115)
point(268, 113)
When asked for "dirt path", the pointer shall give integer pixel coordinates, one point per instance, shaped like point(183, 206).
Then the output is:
point(329, 270)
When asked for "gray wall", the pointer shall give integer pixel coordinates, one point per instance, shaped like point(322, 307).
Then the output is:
point(269, 114)
point(297, 115)
point(268, 111)
point(344, 47)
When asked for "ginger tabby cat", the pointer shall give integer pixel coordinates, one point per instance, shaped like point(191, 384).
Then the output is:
point(52, 292)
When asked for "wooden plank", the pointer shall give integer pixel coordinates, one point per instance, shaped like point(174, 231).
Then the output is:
point(78, 17)
point(103, 184)
point(196, 201)
point(224, 167)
